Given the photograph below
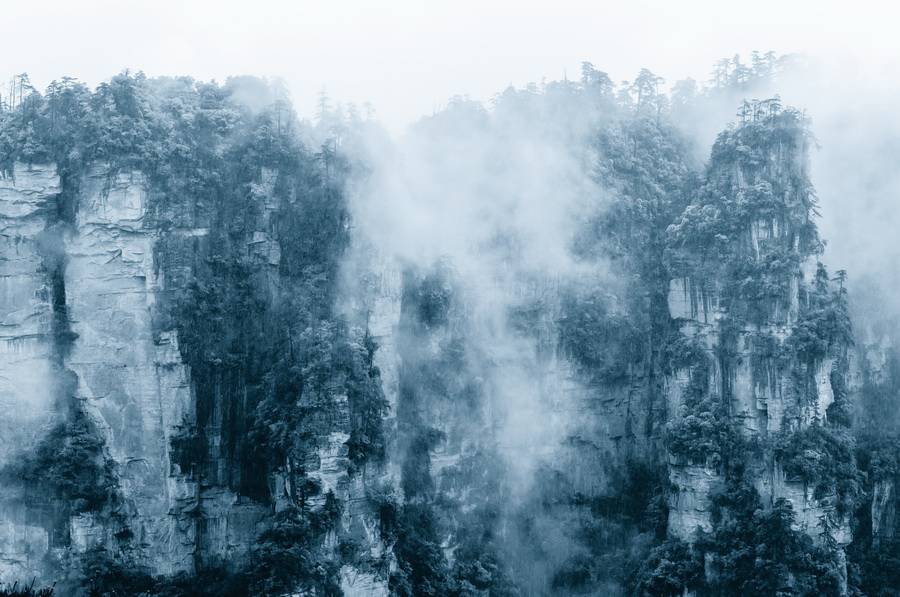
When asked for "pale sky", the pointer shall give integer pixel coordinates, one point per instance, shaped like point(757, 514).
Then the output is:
point(408, 57)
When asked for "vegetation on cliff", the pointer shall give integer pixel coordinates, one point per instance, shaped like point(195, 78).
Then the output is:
point(274, 367)
point(254, 221)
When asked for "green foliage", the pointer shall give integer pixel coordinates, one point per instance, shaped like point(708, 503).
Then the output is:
point(421, 568)
point(205, 150)
point(470, 496)
point(636, 497)
point(284, 558)
point(103, 576)
point(680, 352)
point(840, 412)
point(822, 457)
point(755, 551)
point(479, 569)
point(738, 233)
point(874, 562)
point(286, 554)
point(618, 530)
point(69, 466)
point(456, 510)
point(879, 396)
point(705, 434)
point(417, 482)
point(271, 360)
point(72, 126)
point(433, 299)
point(824, 327)
point(297, 406)
point(669, 569)
point(878, 455)
point(644, 162)
point(368, 404)
point(607, 346)
point(15, 590)
point(875, 570)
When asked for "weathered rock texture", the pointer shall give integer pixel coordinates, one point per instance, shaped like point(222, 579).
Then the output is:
point(131, 380)
point(760, 199)
point(87, 315)
point(130, 376)
point(28, 361)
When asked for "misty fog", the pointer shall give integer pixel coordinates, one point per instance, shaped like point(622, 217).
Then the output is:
point(579, 338)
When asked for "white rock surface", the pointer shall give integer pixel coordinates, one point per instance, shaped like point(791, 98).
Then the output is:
point(132, 382)
point(884, 511)
point(362, 584)
point(27, 372)
point(809, 512)
point(689, 502)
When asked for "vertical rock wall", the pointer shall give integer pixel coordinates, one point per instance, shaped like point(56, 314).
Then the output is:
point(744, 324)
point(28, 371)
point(130, 377)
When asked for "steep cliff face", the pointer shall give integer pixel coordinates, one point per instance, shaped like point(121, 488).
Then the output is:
point(28, 203)
point(29, 361)
point(217, 385)
point(718, 355)
point(108, 361)
point(763, 401)
point(100, 348)
point(874, 377)
point(771, 338)
point(874, 372)
point(131, 379)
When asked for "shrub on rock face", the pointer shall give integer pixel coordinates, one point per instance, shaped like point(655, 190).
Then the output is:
point(70, 466)
point(706, 435)
point(605, 345)
point(822, 457)
point(286, 555)
point(669, 569)
point(20, 590)
point(754, 550)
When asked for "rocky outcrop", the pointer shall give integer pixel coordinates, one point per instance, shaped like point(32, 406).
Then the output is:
point(759, 401)
point(741, 307)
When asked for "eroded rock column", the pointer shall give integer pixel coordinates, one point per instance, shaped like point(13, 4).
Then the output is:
point(28, 375)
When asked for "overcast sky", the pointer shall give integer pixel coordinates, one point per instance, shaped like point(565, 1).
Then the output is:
point(408, 57)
